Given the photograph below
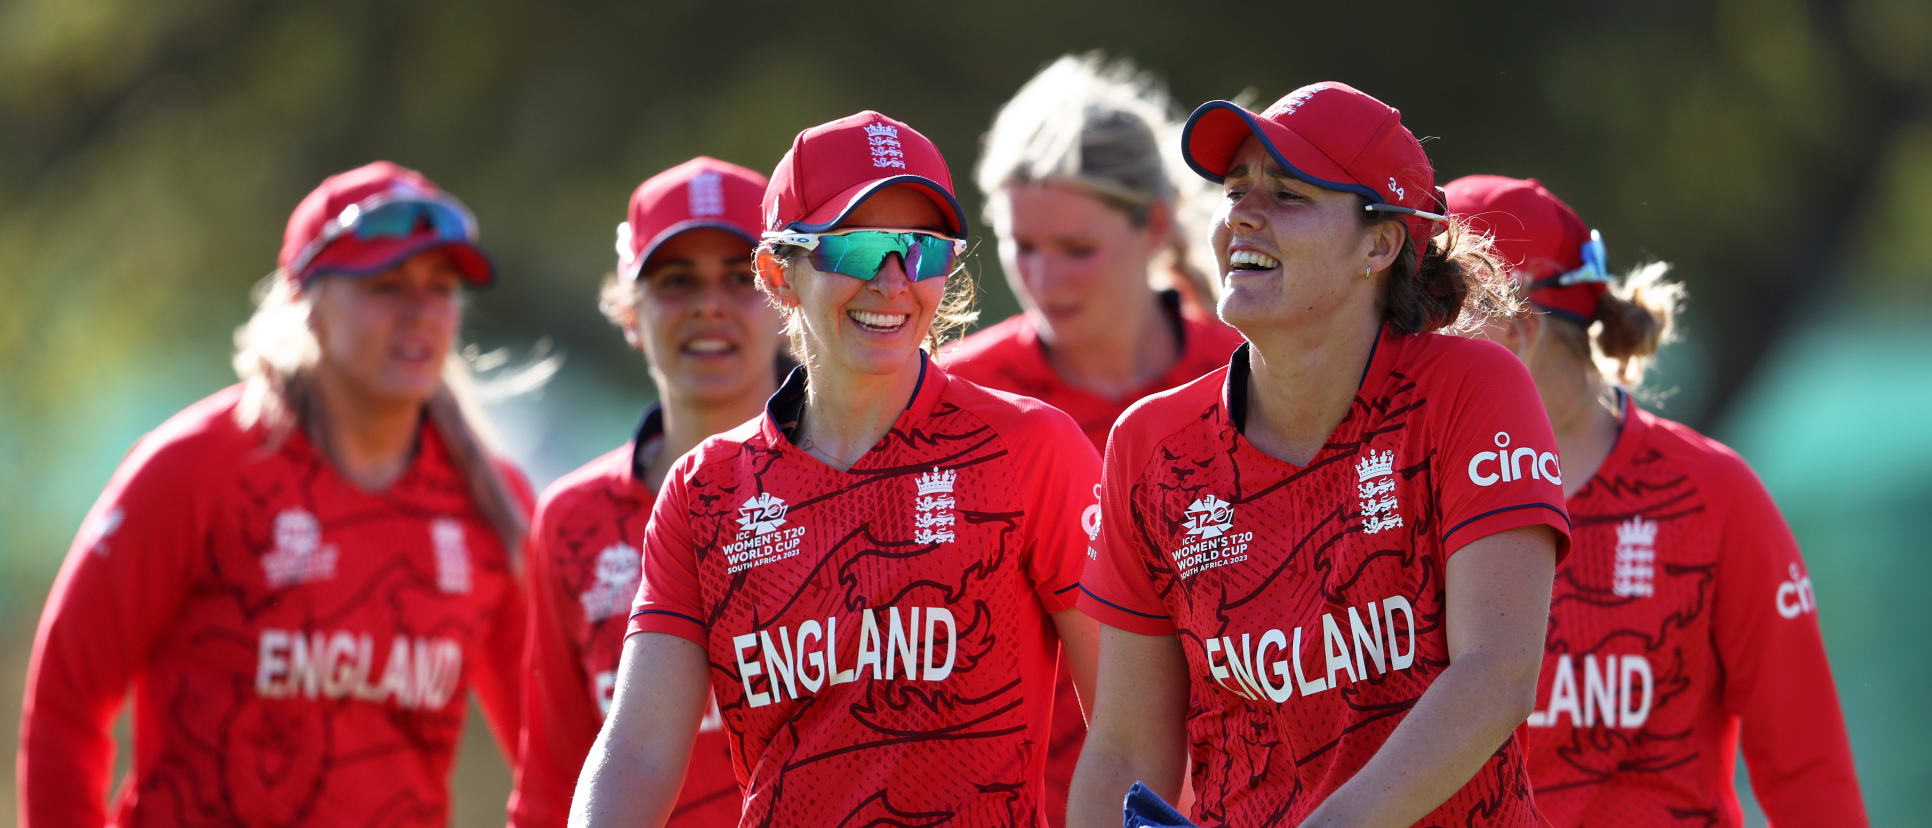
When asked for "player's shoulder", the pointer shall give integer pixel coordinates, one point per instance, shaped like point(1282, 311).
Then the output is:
point(1716, 466)
point(1018, 419)
point(1154, 418)
point(588, 482)
point(1447, 359)
point(720, 453)
point(199, 440)
point(981, 352)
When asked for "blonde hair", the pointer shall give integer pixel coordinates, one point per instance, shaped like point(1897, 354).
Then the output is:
point(275, 350)
point(1635, 319)
point(1107, 129)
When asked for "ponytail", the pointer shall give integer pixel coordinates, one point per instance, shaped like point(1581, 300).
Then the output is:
point(1635, 319)
point(1455, 287)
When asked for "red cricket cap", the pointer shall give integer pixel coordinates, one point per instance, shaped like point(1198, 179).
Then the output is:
point(351, 255)
point(833, 168)
point(1546, 242)
point(700, 193)
point(1328, 134)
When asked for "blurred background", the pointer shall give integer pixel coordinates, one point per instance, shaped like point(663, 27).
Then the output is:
point(1779, 152)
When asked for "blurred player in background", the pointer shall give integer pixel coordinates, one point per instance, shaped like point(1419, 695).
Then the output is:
point(1292, 539)
point(875, 577)
point(1683, 622)
point(1088, 215)
point(1088, 218)
point(302, 574)
point(684, 294)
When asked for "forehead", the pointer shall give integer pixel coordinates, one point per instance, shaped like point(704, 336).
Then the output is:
point(1050, 209)
point(1252, 157)
point(700, 245)
point(900, 207)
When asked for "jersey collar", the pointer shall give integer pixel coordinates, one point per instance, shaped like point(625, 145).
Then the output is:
point(1630, 436)
point(786, 408)
point(649, 429)
point(1381, 360)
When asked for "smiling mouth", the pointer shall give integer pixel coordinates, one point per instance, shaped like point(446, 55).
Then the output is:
point(1251, 260)
point(709, 346)
point(879, 322)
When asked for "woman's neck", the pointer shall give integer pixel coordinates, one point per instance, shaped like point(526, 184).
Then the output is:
point(1585, 412)
point(847, 413)
point(1125, 358)
point(687, 423)
point(1301, 383)
point(369, 441)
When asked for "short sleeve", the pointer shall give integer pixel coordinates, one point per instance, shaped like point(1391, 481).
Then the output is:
point(1060, 467)
point(1117, 587)
point(669, 599)
point(1497, 454)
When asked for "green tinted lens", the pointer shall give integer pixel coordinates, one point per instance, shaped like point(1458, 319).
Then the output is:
point(930, 256)
point(857, 255)
point(861, 253)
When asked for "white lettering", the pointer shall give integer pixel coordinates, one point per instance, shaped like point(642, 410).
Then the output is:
point(812, 656)
point(747, 669)
point(913, 650)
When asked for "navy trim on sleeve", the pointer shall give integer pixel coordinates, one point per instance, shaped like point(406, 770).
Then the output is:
point(1121, 608)
point(669, 613)
point(1069, 588)
point(1566, 517)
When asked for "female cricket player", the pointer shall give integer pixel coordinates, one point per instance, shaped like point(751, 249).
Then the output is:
point(874, 577)
point(1296, 539)
point(1683, 623)
point(303, 574)
point(684, 294)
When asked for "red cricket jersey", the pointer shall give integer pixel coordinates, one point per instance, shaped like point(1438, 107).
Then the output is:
point(584, 574)
point(1010, 357)
point(299, 647)
point(1684, 621)
point(1309, 600)
point(880, 639)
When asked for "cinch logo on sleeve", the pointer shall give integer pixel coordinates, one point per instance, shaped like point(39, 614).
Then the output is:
point(95, 534)
point(1090, 521)
point(790, 663)
point(1795, 597)
point(418, 673)
point(760, 539)
point(1271, 666)
point(1617, 691)
point(1210, 521)
point(1504, 465)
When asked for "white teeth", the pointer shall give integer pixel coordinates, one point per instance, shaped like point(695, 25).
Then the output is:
point(1252, 260)
point(886, 321)
point(707, 345)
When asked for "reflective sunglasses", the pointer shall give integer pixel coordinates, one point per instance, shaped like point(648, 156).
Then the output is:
point(390, 216)
point(1596, 266)
point(860, 253)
